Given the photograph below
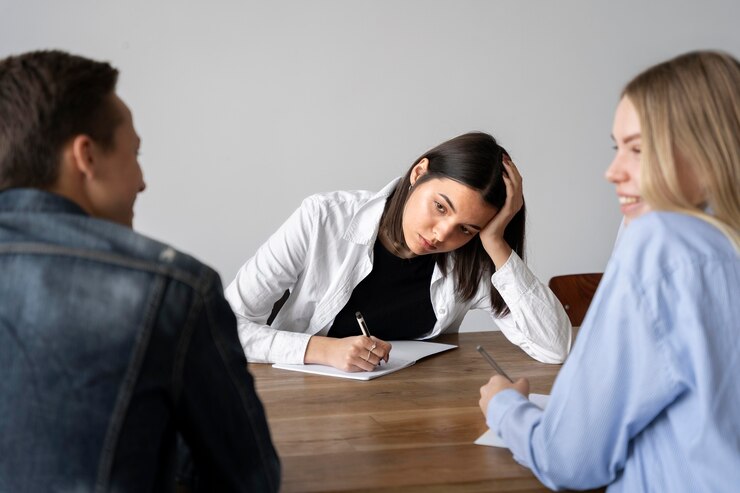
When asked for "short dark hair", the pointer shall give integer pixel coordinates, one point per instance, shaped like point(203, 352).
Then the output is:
point(474, 159)
point(47, 98)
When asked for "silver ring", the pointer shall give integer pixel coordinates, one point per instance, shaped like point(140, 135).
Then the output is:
point(374, 346)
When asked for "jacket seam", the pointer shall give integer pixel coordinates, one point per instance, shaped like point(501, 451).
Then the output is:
point(184, 342)
point(264, 455)
point(105, 257)
point(127, 387)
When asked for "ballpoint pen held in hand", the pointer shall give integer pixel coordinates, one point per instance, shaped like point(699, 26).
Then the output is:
point(493, 363)
point(366, 333)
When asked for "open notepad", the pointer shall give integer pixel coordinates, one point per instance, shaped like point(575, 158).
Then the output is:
point(403, 354)
point(491, 439)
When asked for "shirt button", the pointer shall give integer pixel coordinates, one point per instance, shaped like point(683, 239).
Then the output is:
point(442, 311)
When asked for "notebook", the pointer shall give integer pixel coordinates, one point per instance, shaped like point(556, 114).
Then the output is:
point(403, 354)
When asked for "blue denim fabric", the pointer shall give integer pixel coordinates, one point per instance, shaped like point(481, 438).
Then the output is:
point(112, 344)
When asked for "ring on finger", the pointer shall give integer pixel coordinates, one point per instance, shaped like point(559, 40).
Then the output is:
point(373, 346)
point(369, 352)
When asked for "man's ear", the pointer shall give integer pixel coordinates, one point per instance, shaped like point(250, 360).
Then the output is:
point(419, 170)
point(76, 171)
point(83, 155)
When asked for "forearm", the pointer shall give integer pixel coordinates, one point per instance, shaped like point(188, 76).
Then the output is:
point(537, 321)
point(516, 420)
point(318, 351)
point(263, 344)
point(498, 250)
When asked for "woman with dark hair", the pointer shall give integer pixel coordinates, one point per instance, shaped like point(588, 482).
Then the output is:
point(413, 258)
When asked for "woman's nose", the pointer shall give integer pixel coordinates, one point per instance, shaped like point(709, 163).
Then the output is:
point(441, 232)
point(614, 172)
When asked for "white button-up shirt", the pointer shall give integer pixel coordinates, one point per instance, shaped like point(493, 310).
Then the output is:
point(323, 251)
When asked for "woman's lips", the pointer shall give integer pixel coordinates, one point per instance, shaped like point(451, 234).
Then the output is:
point(628, 203)
point(426, 245)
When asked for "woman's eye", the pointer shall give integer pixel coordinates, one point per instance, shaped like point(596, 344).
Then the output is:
point(466, 231)
point(439, 207)
point(636, 150)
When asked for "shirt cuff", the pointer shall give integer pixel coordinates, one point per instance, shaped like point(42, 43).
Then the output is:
point(289, 348)
point(500, 405)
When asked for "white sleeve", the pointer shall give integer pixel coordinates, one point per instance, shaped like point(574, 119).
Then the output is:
point(263, 280)
point(536, 322)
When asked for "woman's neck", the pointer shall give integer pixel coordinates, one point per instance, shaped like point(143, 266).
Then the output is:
point(401, 251)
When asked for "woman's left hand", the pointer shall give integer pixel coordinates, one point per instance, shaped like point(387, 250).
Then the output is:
point(492, 235)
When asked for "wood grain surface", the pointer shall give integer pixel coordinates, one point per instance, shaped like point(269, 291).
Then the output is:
point(409, 431)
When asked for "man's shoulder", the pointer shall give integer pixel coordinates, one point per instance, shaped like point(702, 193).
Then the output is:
point(37, 223)
point(168, 260)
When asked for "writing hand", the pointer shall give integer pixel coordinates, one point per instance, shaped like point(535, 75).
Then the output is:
point(351, 354)
point(496, 384)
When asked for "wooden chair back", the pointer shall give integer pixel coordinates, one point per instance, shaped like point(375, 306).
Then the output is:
point(575, 292)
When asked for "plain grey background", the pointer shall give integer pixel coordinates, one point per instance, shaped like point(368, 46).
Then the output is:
point(246, 107)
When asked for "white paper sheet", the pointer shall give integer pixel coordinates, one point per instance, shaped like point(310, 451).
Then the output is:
point(403, 354)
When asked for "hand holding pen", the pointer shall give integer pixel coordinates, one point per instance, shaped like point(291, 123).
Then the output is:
point(374, 343)
point(493, 363)
point(350, 354)
point(498, 382)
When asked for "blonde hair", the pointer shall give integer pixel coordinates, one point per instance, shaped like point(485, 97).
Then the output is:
point(689, 110)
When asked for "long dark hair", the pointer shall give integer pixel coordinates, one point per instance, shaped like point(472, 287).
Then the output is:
point(474, 159)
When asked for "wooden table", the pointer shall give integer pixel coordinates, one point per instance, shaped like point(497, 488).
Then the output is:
point(412, 430)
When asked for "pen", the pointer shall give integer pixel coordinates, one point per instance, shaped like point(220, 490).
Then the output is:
point(493, 363)
point(362, 324)
point(366, 333)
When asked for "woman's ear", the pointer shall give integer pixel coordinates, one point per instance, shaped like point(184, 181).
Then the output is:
point(419, 170)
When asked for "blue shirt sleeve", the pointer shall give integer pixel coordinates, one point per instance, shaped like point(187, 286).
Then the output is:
point(616, 380)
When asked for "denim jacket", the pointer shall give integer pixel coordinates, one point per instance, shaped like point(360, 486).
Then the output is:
point(112, 344)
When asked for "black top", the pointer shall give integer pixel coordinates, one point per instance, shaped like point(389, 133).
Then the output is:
point(394, 299)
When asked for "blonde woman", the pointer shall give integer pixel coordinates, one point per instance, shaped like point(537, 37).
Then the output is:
point(648, 399)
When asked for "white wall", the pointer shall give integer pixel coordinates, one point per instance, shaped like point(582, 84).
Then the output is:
point(245, 107)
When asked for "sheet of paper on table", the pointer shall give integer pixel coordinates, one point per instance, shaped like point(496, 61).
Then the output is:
point(403, 354)
point(491, 439)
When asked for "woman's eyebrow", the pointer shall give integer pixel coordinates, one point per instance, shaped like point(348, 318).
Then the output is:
point(449, 202)
point(627, 139)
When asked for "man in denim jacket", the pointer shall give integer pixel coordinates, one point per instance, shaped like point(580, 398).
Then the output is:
point(111, 344)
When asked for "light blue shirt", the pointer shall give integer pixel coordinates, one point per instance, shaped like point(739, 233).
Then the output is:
point(649, 398)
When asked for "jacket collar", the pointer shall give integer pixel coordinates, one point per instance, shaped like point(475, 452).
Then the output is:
point(365, 223)
point(36, 200)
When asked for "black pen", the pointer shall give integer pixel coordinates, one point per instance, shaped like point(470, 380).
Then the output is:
point(362, 324)
point(366, 333)
point(493, 363)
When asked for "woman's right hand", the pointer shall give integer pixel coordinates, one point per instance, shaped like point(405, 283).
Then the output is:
point(351, 354)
